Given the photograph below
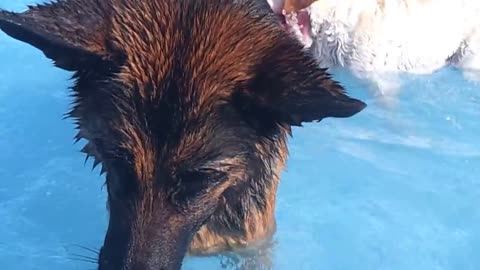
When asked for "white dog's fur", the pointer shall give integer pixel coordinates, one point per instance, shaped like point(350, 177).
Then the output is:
point(377, 38)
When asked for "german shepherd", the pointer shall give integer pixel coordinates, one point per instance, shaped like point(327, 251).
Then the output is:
point(187, 105)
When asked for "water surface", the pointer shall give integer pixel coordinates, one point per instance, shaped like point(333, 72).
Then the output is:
point(389, 189)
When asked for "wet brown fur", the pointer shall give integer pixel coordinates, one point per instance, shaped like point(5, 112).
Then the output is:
point(187, 104)
point(259, 224)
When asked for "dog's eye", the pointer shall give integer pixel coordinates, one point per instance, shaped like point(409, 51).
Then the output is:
point(192, 184)
point(120, 181)
point(201, 175)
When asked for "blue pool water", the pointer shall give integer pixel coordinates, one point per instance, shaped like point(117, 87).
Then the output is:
point(389, 189)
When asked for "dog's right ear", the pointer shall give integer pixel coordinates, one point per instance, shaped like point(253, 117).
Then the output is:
point(71, 33)
point(290, 88)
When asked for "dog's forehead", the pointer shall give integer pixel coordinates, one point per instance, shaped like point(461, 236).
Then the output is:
point(181, 137)
point(208, 42)
point(183, 60)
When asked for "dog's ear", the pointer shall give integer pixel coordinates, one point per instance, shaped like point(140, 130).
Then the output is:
point(289, 87)
point(71, 33)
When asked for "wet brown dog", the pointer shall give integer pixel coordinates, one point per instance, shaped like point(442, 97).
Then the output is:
point(187, 104)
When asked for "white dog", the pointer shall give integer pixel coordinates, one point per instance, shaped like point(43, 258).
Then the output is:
point(375, 39)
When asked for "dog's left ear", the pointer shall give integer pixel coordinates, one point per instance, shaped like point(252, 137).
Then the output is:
point(71, 33)
point(289, 87)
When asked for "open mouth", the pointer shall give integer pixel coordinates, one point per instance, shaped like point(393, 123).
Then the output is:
point(297, 22)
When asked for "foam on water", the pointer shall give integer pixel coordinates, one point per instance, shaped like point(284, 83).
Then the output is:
point(392, 189)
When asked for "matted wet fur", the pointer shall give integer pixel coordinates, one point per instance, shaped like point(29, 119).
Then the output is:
point(187, 104)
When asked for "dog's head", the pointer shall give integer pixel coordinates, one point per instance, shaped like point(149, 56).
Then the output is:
point(173, 97)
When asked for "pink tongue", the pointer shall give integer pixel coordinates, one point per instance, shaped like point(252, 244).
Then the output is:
point(304, 24)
